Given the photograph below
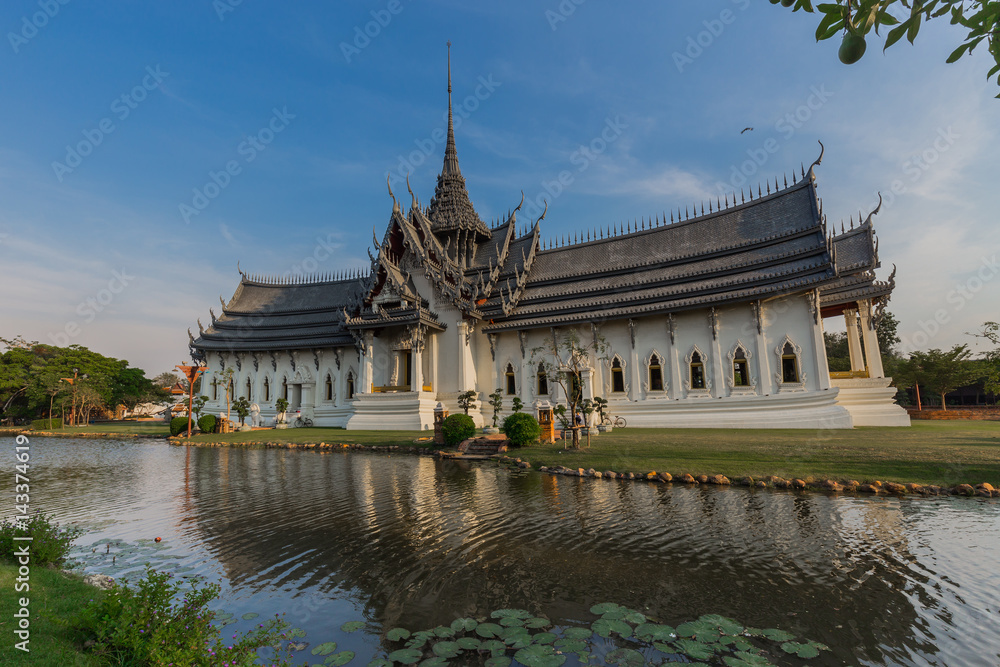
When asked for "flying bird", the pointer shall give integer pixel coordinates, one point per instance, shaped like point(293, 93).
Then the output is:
point(746, 129)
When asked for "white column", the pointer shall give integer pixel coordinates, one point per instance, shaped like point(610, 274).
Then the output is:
point(466, 365)
point(819, 352)
point(854, 340)
point(763, 358)
point(417, 368)
point(872, 352)
point(635, 390)
point(366, 380)
point(434, 363)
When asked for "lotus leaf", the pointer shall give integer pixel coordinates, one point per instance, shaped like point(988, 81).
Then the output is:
point(295, 633)
point(338, 659)
point(406, 656)
point(744, 659)
point(577, 633)
point(726, 625)
point(464, 624)
point(695, 649)
point(444, 631)
point(537, 622)
point(447, 649)
point(605, 627)
point(773, 634)
point(605, 607)
point(666, 648)
point(648, 632)
point(700, 630)
point(249, 616)
point(512, 622)
point(436, 661)
point(397, 634)
point(495, 647)
point(539, 656)
point(516, 613)
point(498, 661)
point(380, 662)
point(488, 630)
point(738, 643)
point(625, 656)
point(468, 643)
point(513, 632)
point(325, 648)
point(801, 650)
point(222, 616)
point(570, 645)
point(544, 638)
point(352, 626)
point(416, 642)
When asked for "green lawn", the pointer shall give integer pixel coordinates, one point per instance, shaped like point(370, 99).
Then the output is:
point(54, 597)
point(139, 428)
point(929, 452)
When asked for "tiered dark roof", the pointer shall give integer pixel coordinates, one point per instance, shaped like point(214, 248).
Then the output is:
point(856, 251)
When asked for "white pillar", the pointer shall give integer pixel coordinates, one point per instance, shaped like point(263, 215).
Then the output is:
point(366, 380)
point(434, 363)
point(417, 368)
point(466, 365)
point(635, 390)
point(854, 340)
point(819, 350)
point(872, 352)
point(763, 358)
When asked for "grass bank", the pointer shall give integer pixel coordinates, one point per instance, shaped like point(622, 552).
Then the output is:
point(54, 596)
point(942, 453)
point(156, 428)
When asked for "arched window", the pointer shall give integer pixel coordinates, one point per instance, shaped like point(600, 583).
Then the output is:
point(655, 374)
point(267, 389)
point(284, 388)
point(543, 381)
point(350, 385)
point(215, 389)
point(329, 387)
point(741, 375)
point(617, 377)
point(789, 364)
point(249, 389)
point(697, 371)
point(511, 382)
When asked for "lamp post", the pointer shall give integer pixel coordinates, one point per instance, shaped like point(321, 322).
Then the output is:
point(72, 382)
point(191, 373)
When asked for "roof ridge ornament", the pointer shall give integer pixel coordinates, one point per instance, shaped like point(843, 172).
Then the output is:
point(875, 212)
point(388, 184)
point(822, 149)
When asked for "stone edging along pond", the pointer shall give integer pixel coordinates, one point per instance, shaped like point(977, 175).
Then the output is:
point(983, 490)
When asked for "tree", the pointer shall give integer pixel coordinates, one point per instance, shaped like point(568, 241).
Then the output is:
point(242, 407)
point(517, 404)
point(88, 399)
point(467, 400)
point(838, 355)
point(991, 333)
point(943, 372)
point(227, 383)
point(496, 402)
point(197, 405)
point(856, 19)
point(166, 380)
point(564, 362)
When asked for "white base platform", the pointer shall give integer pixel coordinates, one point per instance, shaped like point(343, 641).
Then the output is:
point(870, 402)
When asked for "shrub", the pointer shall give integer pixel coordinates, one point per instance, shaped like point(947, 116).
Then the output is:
point(521, 429)
point(46, 424)
point(178, 424)
point(152, 623)
point(457, 428)
point(207, 423)
point(49, 543)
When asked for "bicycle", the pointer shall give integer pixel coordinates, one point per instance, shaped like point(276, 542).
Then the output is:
point(301, 422)
point(615, 421)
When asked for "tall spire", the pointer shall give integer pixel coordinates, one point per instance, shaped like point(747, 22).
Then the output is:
point(450, 152)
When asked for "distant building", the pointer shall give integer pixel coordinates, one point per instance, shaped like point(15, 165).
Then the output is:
point(713, 320)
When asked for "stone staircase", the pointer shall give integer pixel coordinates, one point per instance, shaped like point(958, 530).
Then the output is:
point(484, 445)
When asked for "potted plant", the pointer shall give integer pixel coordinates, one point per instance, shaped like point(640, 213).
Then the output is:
point(280, 405)
point(496, 402)
point(564, 421)
point(587, 408)
point(601, 404)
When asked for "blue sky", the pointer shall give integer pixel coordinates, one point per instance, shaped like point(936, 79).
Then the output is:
point(278, 123)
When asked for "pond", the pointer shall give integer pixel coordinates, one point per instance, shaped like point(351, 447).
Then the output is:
point(400, 540)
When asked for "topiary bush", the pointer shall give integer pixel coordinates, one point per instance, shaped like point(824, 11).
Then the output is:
point(457, 428)
point(521, 429)
point(46, 424)
point(178, 424)
point(207, 423)
point(49, 543)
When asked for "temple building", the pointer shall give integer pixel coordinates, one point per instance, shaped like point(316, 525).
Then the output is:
point(711, 319)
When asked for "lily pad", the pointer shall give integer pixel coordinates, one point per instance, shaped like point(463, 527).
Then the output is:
point(515, 613)
point(464, 624)
point(725, 625)
point(397, 634)
point(447, 649)
point(537, 622)
point(444, 631)
point(625, 656)
point(406, 656)
point(773, 634)
point(544, 638)
point(605, 627)
point(436, 661)
point(570, 645)
point(512, 622)
point(700, 630)
point(494, 646)
point(513, 632)
point(649, 632)
point(744, 659)
point(577, 633)
point(325, 648)
point(222, 616)
point(380, 662)
point(488, 630)
point(249, 616)
point(539, 656)
point(801, 650)
point(695, 649)
point(295, 633)
point(604, 608)
point(352, 626)
point(498, 661)
point(338, 659)
point(468, 643)
point(737, 643)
